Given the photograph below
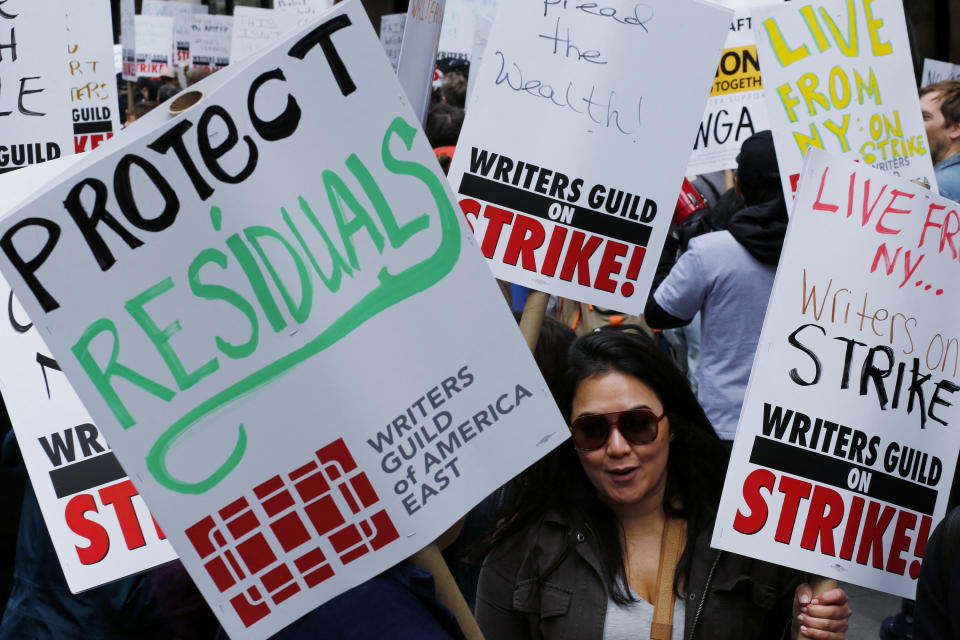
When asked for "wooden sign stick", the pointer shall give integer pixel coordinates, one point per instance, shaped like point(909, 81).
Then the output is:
point(819, 585)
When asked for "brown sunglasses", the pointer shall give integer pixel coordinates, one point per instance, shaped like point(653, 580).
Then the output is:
point(637, 426)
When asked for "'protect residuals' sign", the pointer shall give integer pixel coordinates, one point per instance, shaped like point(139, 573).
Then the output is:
point(571, 159)
point(847, 442)
point(33, 86)
point(736, 108)
point(255, 322)
point(838, 76)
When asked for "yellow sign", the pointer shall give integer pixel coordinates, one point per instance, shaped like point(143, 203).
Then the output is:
point(738, 71)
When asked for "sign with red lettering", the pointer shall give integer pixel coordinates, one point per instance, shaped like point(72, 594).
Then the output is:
point(839, 77)
point(570, 161)
point(93, 76)
point(154, 35)
point(182, 14)
point(846, 445)
point(99, 524)
point(242, 312)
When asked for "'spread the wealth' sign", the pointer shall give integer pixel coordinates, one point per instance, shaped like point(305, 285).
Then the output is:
point(838, 76)
point(256, 323)
point(570, 163)
point(33, 85)
point(846, 446)
point(736, 108)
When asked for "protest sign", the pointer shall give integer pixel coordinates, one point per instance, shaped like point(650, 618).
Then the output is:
point(210, 41)
point(306, 10)
point(846, 449)
point(154, 44)
point(938, 71)
point(182, 13)
point(418, 53)
point(242, 309)
point(391, 35)
point(736, 108)
point(93, 81)
point(573, 193)
point(255, 29)
point(839, 76)
point(457, 34)
point(33, 87)
point(128, 42)
point(481, 34)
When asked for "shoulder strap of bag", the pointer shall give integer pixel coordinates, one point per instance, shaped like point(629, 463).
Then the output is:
point(671, 546)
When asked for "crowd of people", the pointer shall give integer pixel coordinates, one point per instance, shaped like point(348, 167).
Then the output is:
point(606, 537)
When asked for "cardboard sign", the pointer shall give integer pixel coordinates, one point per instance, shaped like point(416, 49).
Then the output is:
point(418, 53)
point(306, 10)
point(182, 13)
point(255, 29)
point(391, 35)
point(459, 26)
point(128, 41)
point(93, 81)
point(846, 449)
point(210, 41)
point(33, 86)
point(154, 44)
point(573, 193)
point(938, 71)
point(247, 327)
point(736, 108)
point(839, 77)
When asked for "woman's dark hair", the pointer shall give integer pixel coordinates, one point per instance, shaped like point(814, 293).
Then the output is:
point(695, 468)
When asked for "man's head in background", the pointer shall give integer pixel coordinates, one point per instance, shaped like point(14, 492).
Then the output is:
point(940, 106)
point(758, 175)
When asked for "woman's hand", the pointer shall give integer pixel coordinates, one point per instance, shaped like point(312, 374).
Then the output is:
point(823, 617)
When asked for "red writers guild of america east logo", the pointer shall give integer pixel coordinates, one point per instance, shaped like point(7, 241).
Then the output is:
point(261, 561)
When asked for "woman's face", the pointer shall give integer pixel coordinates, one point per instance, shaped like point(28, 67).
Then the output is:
point(624, 474)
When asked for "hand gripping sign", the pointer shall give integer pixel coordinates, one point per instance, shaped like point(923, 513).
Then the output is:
point(846, 445)
point(239, 297)
point(571, 159)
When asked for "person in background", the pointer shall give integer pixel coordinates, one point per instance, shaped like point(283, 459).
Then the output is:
point(138, 111)
point(940, 107)
point(938, 587)
point(171, 84)
point(453, 91)
point(196, 74)
point(622, 517)
point(727, 276)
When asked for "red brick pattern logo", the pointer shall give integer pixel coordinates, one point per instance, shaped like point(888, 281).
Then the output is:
point(260, 562)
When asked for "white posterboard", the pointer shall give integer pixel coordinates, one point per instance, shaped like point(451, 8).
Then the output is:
point(98, 523)
point(34, 127)
point(846, 449)
point(94, 113)
point(574, 192)
point(391, 35)
point(459, 18)
point(154, 44)
point(481, 34)
point(181, 12)
point(210, 41)
point(128, 42)
point(839, 77)
point(736, 108)
point(418, 53)
point(255, 29)
point(938, 71)
point(306, 10)
point(241, 399)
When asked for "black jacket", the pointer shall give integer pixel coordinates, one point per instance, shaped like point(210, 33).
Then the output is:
point(545, 583)
point(937, 615)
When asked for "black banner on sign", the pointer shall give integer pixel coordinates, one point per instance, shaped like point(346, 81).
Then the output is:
point(534, 204)
point(102, 126)
point(86, 474)
point(824, 469)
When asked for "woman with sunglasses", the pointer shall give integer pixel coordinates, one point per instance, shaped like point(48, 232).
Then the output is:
point(597, 528)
